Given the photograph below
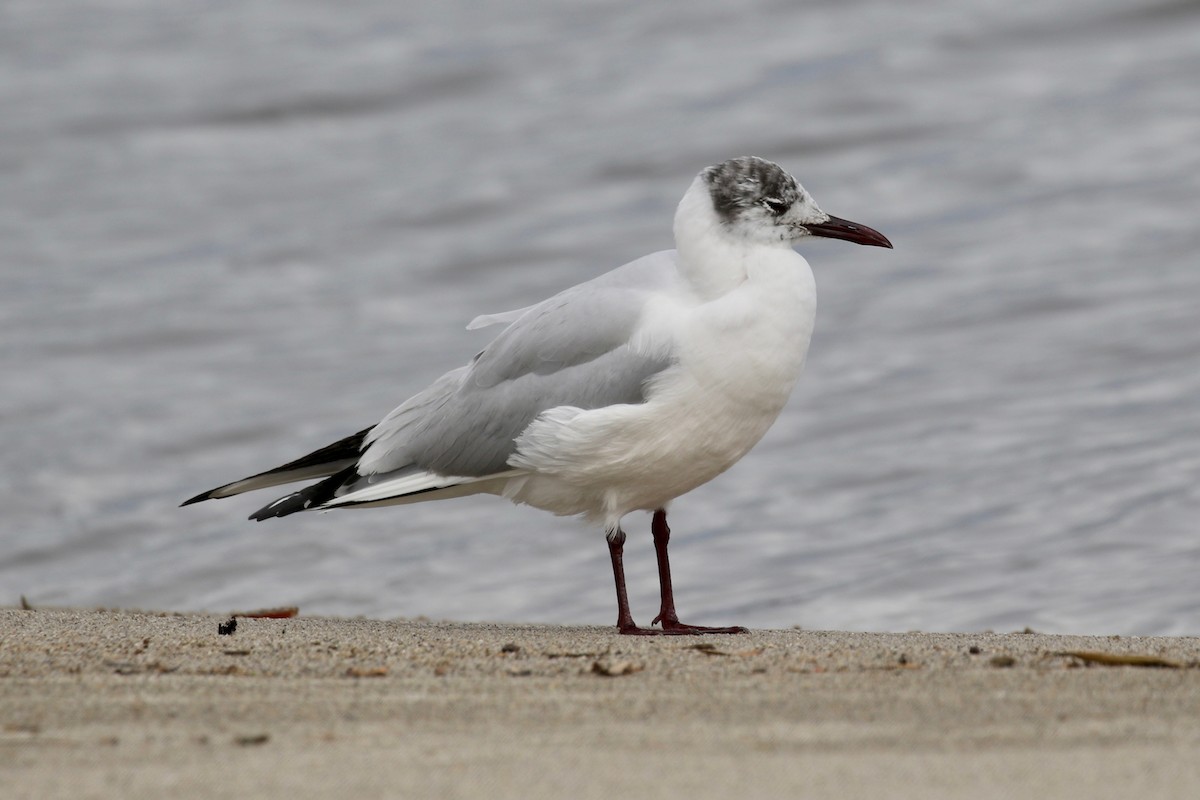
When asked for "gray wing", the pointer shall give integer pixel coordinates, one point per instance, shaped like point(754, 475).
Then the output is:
point(571, 350)
point(487, 320)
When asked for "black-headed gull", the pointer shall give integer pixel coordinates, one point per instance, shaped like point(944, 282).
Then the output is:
point(616, 395)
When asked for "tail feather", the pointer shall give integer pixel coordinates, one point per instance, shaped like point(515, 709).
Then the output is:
point(408, 486)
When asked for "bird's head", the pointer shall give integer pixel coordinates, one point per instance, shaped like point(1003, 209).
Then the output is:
point(754, 199)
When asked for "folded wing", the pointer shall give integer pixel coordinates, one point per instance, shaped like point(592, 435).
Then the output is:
point(577, 349)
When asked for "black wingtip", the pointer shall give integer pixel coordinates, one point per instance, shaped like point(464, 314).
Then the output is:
point(288, 504)
point(198, 498)
point(309, 497)
point(346, 450)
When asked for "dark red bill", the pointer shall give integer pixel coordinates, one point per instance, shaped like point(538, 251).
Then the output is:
point(838, 228)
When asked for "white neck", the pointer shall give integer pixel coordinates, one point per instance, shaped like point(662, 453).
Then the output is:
point(712, 258)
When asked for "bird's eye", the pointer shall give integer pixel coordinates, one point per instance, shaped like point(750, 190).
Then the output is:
point(775, 205)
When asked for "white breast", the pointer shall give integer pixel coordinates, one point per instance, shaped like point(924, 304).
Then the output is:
point(739, 355)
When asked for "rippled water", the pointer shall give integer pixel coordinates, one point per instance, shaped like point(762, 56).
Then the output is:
point(230, 233)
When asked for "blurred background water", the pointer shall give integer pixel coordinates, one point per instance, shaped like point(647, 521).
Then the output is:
point(231, 232)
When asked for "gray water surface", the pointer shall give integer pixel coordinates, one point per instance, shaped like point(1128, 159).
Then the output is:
point(233, 232)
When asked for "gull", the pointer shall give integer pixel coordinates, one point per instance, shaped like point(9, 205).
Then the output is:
point(616, 395)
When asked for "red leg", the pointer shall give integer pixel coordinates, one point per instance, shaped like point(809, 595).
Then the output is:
point(616, 547)
point(671, 626)
point(625, 623)
point(666, 613)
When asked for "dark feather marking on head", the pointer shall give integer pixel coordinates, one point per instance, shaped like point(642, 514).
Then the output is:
point(742, 183)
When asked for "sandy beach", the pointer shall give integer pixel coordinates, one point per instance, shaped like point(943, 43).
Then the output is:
point(132, 704)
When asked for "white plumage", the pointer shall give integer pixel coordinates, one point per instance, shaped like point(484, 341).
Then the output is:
point(616, 395)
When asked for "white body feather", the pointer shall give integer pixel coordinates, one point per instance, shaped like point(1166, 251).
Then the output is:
point(735, 319)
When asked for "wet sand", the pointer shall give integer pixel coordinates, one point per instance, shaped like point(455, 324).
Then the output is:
point(126, 704)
